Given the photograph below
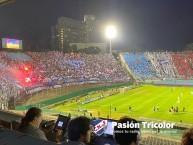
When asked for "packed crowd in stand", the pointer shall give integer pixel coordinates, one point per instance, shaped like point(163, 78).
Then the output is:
point(140, 66)
point(58, 68)
point(53, 68)
point(183, 63)
point(160, 65)
point(8, 83)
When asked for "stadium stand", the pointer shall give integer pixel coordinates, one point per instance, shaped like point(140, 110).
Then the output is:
point(140, 65)
point(18, 56)
point(163, 64)
point(9, 86)
point(10, 137)
point(183, 63)
point(52, 68)
point(8, 118)
point(57, 67)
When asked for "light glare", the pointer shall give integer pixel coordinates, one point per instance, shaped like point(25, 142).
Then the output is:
point(110, 32)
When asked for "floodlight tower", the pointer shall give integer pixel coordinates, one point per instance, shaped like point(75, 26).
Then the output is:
point(110, 33)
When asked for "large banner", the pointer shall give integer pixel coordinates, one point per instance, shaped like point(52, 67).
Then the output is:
point(34, 90)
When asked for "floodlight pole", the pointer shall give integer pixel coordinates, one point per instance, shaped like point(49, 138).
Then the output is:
point(110, 46)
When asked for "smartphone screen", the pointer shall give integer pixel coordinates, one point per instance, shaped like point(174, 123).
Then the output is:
point(61, 123)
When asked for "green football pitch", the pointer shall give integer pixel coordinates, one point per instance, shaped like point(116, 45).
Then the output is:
point(142, 100)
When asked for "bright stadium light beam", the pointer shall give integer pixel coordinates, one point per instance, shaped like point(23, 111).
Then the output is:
point(110, 33)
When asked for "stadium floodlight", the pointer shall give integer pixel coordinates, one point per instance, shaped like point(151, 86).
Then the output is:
point(110, 33)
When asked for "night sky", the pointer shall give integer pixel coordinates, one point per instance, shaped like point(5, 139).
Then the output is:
point(149, 24)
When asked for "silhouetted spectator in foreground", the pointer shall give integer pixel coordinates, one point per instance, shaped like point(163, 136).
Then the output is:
point(187, 137)
point(79, 132)
point(126, 136)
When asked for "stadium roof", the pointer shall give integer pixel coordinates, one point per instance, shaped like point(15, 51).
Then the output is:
point(3, 2)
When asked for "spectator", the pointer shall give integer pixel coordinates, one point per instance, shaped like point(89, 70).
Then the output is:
point(30, 123)
point(79, 131)
point(187, 137)
point(126, 136)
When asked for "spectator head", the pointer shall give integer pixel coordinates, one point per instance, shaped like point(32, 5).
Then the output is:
point(79, 129)
point(187, 137)
point(128, 135)
point(33, 117)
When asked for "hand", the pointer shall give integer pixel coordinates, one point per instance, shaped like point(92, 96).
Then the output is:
point(59, 133)
point(58, 136)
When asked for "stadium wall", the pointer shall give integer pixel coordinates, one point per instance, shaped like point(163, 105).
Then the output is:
point(68, 96)
point(172, 83)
